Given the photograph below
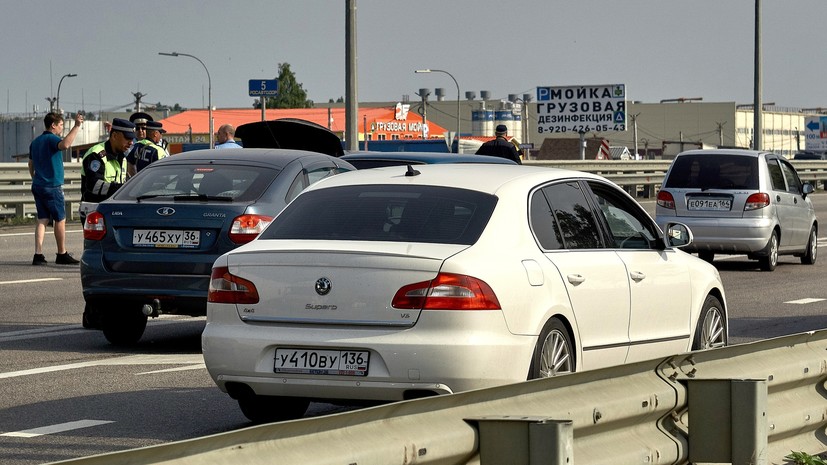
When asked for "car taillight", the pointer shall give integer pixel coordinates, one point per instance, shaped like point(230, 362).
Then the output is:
point(228, 289)
point(94, 228)
point(757, 201)
point(247, 227)
point(666, 200)
point(447, 292)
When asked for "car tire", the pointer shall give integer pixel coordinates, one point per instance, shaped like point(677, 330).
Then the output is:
point(269, 409)
point(809, 257)
point(706, 256)
point(124, 328)
point(769, 261)
point(554, 352)
point(711, 331)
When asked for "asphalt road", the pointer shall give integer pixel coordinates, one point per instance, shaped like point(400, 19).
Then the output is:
point(67, 393)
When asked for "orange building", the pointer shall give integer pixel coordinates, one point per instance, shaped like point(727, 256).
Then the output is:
point(192, 126)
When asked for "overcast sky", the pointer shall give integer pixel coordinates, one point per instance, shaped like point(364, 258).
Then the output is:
point(660, 49)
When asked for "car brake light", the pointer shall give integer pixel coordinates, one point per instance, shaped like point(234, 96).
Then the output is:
point(228, 289)
point(94, 228)
point(757, 201)
point(245, 228)
point(666, 200)
point(447, 292)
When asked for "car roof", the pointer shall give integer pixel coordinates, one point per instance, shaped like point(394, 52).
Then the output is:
point(427, 157)
point(482, 177)
point(741, 152)
point(274, 157)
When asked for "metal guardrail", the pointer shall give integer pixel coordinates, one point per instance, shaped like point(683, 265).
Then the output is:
point(641, 178)
point(744, 404)
point(16, 195)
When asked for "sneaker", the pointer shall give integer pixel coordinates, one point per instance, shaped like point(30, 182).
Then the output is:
point(66, 259)
point(39, 259)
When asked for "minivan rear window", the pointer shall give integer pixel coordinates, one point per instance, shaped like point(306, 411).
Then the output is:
point(713, 171)
point(392, 213)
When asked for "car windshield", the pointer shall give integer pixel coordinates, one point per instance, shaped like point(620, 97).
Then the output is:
point(198, 182)
point(714, 172)
point(386, 213)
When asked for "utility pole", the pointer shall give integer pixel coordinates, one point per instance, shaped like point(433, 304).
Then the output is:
point(757, 128)
point(351, 101)
point(634, 126)
point(720, 133)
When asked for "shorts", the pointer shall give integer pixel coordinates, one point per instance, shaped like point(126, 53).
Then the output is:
point(49, 202)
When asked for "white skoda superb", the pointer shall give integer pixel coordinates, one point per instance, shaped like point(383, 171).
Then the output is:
point(397, 283)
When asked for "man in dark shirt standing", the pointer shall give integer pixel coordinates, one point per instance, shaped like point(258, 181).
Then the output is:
point(501, 146)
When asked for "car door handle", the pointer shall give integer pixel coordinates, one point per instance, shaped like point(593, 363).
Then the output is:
point(637, 276)
point(575, 279)
point(778, 198)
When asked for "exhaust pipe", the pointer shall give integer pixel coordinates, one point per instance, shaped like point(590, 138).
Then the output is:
point(152, 309)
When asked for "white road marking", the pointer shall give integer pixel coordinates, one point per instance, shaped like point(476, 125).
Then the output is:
point(25, 281)
point(804, 301)
point(181, 359)
point(59, 428)
point(52, 331)
point(32, 233)
point(198, 366)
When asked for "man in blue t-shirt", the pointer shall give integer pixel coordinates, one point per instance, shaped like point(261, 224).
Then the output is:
point(46, 170)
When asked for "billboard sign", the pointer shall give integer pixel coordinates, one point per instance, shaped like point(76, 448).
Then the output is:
point(815, 133)
point(576, 109)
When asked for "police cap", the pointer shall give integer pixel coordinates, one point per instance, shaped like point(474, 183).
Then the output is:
point(155, 126)
point(140, 118)
point(124, 126)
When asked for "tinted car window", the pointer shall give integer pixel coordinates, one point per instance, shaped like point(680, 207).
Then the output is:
point(793, 183)
point(776, 175)
point(574, 216)
point(366, 164)
point(385, 213)
point(542, 222)
point(713, 172)
point(628, 228)
point(241, 183)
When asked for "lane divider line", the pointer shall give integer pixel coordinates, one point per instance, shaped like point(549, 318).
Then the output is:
point(59, 428)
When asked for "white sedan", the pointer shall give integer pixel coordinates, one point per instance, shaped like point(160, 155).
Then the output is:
point(398, 283)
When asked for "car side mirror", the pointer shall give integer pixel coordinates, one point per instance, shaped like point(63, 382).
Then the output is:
point(807, 188)
point(677, 235)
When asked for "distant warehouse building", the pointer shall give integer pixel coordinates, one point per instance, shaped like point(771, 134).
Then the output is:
point(654, 130)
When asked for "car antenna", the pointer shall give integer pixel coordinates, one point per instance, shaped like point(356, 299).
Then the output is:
point(411, 171)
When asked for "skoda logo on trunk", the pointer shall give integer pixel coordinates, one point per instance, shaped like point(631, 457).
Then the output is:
point(323, 286)
point(165, 211)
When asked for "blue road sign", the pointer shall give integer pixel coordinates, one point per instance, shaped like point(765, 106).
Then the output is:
point(264, 87)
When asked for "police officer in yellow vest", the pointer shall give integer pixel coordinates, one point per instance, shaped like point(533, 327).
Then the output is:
point(147, 150)
point(104, 165)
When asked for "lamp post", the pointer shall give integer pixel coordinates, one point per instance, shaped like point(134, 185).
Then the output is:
point(57, 104)
point(209, 91)
point(457, 84)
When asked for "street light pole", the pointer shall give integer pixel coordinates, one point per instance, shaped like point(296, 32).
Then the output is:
point(457, 84)
point(57, 104)
point(209, 91)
